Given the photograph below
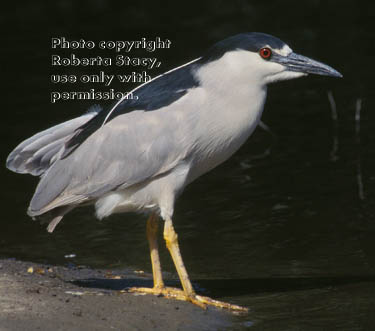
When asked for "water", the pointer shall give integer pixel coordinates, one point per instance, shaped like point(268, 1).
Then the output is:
point(288, 234)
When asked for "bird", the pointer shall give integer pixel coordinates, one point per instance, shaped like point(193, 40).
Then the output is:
point(140, 154)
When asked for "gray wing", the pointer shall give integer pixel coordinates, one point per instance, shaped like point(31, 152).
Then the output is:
point(36, 154)
point(128, 150)
point(119, 147)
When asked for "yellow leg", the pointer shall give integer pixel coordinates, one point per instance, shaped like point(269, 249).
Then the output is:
point(152, 236)
point(188, 293)
point(171, 237)
point(152, 232)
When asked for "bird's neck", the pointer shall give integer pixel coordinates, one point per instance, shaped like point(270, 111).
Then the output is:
point(235, 86)
point(229, 112)
point(237, 111)
point(234, 101)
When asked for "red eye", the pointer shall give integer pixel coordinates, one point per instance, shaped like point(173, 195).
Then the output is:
point(265, 53)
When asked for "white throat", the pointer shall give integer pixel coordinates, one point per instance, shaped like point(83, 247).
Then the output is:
point(237, 94)
point(230, 108)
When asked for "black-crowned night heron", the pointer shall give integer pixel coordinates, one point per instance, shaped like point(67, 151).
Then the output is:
point(140, 154)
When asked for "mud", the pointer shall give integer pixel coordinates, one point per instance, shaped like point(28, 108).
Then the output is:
point(45, 297)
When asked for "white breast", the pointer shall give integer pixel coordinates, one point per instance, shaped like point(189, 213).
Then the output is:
point(225, 110)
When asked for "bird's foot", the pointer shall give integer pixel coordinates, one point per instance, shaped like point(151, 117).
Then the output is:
point(175, 293)
point(220, 304)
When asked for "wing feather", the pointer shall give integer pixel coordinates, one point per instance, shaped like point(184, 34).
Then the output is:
point(36, 154)
point(128, 150)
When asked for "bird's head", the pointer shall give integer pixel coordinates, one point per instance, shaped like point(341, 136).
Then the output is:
point(262, 59)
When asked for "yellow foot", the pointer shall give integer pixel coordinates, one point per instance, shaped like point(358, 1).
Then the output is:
point(175, 293)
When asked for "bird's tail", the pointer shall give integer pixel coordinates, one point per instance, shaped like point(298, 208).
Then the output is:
point(37, 154)
point(53, 217)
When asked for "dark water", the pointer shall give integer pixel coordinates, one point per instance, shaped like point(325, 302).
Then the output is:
point(289, 234)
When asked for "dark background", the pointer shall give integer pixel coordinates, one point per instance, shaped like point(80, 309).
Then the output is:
point(289, 234)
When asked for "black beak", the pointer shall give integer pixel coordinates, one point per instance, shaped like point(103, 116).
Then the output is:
point(300, 63)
